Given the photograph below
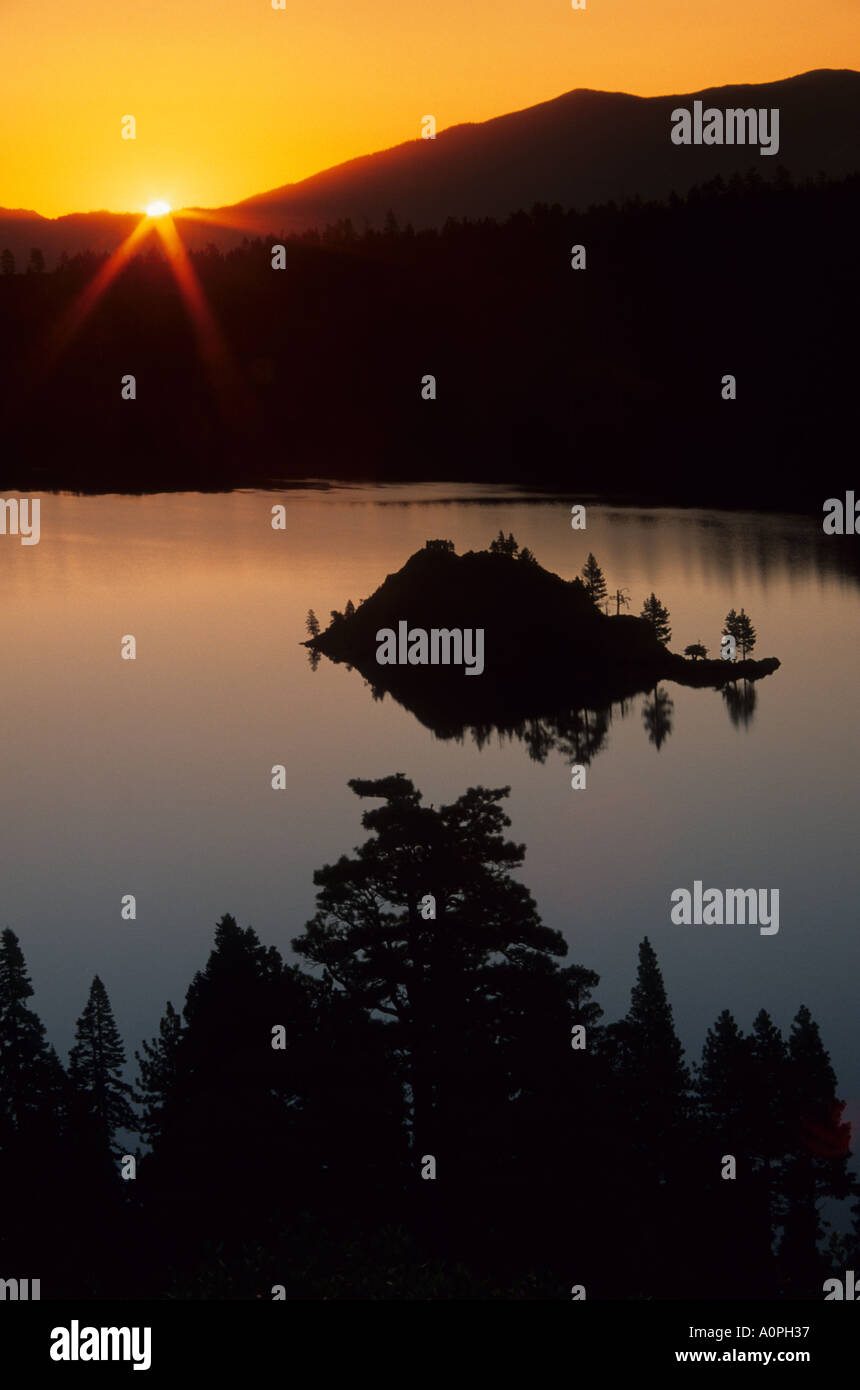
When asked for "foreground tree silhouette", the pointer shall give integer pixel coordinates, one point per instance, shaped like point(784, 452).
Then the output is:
point(434, 977)
point(265, 1135)
point(288, 1164)
point(654, 1095)
point(207, 1085)
point(765, 1086)
point(735, 1212)
point(31, 1077)
point(32, 1082)
point(33, 1111)
point(815, 1167)
point(719, 1082)
point(100, 1222)
point(651, 1055)
point(158, 1075)
point(95, 1070)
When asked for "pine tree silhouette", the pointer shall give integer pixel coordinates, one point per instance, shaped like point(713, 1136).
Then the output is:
point(653, 1091)
point(425, 974)
point(815, 1166)
point(719, 1083)
point(95, 1070)
point(30, 1073)
point(33, 1117)
point(766, 1090)
point(657, 614)
point(735, 1211)
point(651, 1045)
point(593, 578)
point(436, 978)
point(158, 1073)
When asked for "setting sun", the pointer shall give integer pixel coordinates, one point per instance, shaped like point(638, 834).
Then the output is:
point(158, 209)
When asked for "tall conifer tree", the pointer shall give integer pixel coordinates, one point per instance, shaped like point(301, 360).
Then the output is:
point(31, 1078)
point(815, 1166)
point(593, 578)
point(95, 1069)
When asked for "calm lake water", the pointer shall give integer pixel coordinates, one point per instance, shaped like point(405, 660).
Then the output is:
point(153, 777)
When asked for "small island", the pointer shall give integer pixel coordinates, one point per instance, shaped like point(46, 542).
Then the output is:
point(545, 643)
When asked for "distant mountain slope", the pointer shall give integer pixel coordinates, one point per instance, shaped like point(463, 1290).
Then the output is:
point(584, 147)
point(581, 148)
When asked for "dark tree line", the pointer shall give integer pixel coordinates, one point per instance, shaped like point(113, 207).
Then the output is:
point(607, 379)
point(292, 1115)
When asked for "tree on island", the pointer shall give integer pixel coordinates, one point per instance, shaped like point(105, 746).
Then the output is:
point(697, 650)
point(593, 579)
point(658, 616)
point(312, 623)
point(739, 626)
point(622, 599)
point(504, 545)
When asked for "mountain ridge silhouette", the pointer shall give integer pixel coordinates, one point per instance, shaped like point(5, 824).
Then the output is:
point(578, 149)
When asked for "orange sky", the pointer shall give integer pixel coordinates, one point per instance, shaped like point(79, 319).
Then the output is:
point(233, 98)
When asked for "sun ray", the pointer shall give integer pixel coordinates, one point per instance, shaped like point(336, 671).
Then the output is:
point(223, 374)
point(237, 221)
point(83, 306)
point(210, 341)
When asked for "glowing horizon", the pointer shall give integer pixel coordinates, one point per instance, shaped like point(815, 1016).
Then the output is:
point(210, 341)
point(237, 99)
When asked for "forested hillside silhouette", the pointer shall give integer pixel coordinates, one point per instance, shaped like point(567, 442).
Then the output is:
point(604, 379)
point(288, 1111)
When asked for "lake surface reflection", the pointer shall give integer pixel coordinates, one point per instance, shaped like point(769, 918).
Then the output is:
point(153, 777)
